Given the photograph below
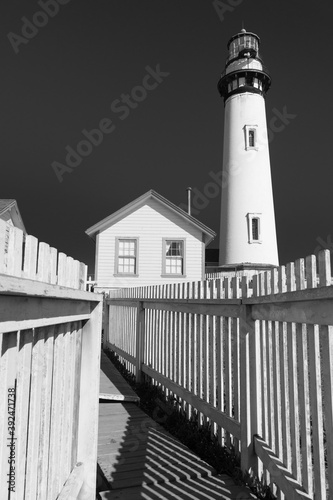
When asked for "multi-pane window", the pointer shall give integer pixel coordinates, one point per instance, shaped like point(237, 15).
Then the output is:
point(127, 256)
point(174, 257)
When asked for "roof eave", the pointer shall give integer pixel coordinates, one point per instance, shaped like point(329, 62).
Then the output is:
point(93, 230)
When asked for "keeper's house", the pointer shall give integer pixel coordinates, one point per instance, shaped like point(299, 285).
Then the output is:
point(150, 241)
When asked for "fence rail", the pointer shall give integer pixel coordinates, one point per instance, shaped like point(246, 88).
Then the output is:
point(50, 332)
point(254, 358)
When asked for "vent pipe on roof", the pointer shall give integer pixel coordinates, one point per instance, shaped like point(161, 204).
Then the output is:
point(189, 191)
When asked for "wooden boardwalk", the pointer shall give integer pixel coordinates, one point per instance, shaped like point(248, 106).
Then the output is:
point(113, 386)
point(140, 460)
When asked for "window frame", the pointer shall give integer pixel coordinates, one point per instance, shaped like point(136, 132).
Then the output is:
point(247, 130)
point(250, 217)
point(118, 239)
point(164, 258)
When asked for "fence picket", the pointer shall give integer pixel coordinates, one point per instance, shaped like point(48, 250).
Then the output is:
point(83, 276)
point(173, 333)
point(62, 270)
point(15, 252)
point(313, 340)
point(76, 395)
point(194, 360)
point(316, 402)
point(205, 349)
point(56, 413)
point(228, 376)
point(53, 266)
point(46, 399)
point(189, 350)
point(235, 360)
point(22, 405)
point(43, 269)
point(219, 362)
point(324, 268)
point(285, 401)
point(8, 375)
point(178, 369)
point(212, 356)
point(326, 334)
point(34, 415)
point(66, 409)
point(200, 372)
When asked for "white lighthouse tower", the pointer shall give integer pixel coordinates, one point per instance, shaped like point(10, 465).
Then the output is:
point(248, 233)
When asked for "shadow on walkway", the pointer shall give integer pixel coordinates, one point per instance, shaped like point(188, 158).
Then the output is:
point(140, 460)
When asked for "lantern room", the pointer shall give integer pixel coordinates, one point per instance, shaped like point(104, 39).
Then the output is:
point(244, 70)
point(244, 44)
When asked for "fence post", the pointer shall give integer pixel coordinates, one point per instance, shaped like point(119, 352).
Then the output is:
point(140, 340)
point(250, 397)
point(89, 398)
point(106, 322)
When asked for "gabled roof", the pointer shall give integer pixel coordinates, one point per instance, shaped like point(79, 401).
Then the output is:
point(127, 209)
point(10, 205)
point(5, 205)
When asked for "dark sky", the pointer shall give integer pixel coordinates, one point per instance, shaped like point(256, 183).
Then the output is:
point(65, 78)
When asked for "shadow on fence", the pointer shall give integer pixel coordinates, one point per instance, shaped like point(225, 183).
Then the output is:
point(254, 356)
point(50, 331)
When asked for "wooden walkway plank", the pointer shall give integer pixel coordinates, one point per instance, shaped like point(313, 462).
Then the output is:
point(112, 384)
point(138, 458)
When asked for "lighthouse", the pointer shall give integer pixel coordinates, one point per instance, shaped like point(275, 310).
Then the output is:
point(247, 233)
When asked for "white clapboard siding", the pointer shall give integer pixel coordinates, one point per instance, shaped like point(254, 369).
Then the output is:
point(50, 331)
point(253, 357)
point(149, 224)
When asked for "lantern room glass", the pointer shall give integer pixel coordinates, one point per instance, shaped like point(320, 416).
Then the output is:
point(241, 43)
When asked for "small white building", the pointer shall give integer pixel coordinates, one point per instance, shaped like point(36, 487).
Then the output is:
point(150, 241)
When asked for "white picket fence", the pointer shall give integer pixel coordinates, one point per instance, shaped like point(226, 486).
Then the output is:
point(50, 331)
point(255, 359)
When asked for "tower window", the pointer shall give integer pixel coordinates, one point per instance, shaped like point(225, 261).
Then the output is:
point(251, 137)
point(254, 229)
